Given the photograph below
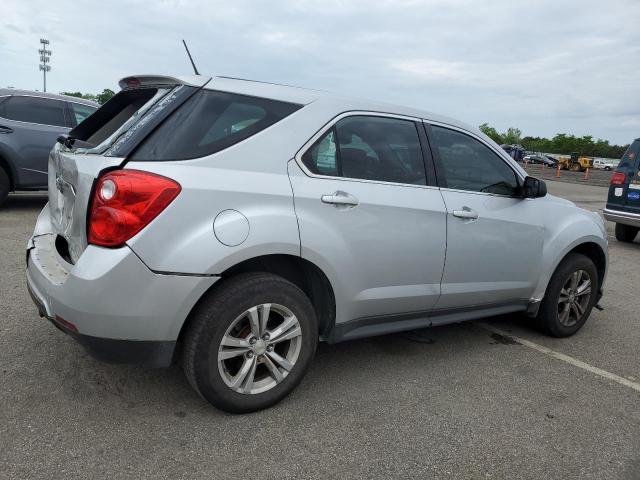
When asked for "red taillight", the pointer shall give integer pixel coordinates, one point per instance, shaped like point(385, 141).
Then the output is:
point(618, 178)
point(124, 202)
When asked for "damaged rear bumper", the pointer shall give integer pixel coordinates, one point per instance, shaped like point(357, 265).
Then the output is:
point(110, 301)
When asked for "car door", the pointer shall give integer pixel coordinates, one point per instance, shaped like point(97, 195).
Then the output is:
point(30, 127)
point(494, 238)
point(371, 217)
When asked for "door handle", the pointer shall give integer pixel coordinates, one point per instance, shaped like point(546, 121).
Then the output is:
point(4, 129)
point(466, 213)
point(340, 198)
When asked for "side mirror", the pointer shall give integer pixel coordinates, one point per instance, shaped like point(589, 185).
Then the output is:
point(533, 188)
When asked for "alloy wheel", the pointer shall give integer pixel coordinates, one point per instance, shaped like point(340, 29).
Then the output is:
point(260, 348)
point(574, 298)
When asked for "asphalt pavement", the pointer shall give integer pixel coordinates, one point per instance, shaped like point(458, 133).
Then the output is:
point(460, 401)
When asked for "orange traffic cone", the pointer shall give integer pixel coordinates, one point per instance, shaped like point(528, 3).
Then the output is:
point(558, 172)
point(586, 175)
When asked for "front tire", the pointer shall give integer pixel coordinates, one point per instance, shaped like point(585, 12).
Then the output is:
point(250, 342)
point(5, 186)
point(570, 296)
point(626, 233)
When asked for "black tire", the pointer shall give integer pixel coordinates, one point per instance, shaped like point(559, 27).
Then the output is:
point(607, 169)
point(217, 312)
point(548, 317)
point(5, 186)
point(626, 233)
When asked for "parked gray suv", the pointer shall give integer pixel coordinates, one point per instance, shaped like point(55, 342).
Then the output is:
point(30, 122)
point(230, 225)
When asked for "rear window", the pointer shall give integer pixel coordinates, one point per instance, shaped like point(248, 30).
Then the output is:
point(208, 122)
point(629, 162)
point(80, 112)
point(43, 111)
point(113, 118)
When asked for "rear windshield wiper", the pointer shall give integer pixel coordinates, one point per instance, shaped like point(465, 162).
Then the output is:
point(66, 140)
point(70, 141)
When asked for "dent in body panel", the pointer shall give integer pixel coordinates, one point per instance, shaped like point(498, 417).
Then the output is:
point(139, 304)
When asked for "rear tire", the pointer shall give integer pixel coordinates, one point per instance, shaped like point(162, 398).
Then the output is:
point(232, 355)
point(570, 296)
point(626, 233)
point(5, 186)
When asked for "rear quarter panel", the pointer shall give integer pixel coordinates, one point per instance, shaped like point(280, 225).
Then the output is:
point(182, 239)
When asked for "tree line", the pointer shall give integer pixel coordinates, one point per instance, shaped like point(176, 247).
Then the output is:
point(560, 143)
point(101, 97)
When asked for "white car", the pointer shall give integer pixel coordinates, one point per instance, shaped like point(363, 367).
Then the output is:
point(607, 164)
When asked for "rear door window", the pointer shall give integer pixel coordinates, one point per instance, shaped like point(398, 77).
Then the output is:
point(208, 122)
point(369, 148)
point(43, 111)
point(79, 112)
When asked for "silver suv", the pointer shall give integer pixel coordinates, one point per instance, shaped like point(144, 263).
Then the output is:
point(231, 225)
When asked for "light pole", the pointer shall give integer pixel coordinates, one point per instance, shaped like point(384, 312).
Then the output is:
point(44, 59)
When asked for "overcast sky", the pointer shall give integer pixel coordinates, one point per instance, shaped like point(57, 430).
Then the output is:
point(544, 66)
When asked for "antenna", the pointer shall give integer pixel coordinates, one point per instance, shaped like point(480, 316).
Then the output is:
point(195, 70)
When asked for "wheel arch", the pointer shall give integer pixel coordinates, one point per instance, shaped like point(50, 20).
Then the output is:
point(594, 252)
point(301, 272)
point(8, 168)
point(591, 247)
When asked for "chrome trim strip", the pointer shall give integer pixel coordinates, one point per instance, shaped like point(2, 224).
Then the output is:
point(34, 170)
point(626, 218)
point(354, 113)
point(50, 98)
point(622, 213)
point(34, 123)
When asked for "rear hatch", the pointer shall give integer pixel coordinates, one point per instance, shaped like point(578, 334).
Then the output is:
point(102, 142)
point(624, 191)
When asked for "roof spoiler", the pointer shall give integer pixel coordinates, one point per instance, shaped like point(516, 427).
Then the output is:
point(136, 81)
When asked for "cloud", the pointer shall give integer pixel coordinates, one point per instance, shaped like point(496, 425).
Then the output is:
point(547, 66)
point(431, 70)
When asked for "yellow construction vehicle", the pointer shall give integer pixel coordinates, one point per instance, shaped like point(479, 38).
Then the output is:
point(575, 163)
